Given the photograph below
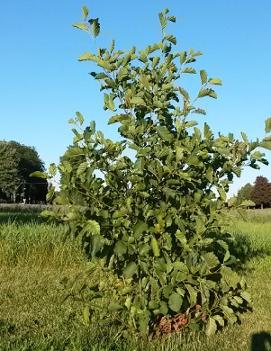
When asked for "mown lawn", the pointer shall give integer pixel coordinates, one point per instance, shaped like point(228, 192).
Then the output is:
point(35, 313)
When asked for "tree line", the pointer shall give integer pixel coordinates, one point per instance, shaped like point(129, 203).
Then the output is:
point(17, 162)
point(257, 194)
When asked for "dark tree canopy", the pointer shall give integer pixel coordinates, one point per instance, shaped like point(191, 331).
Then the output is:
point(261, 193)
point(17, 162)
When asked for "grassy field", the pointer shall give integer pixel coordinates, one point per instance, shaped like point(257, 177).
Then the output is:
point(36, 259)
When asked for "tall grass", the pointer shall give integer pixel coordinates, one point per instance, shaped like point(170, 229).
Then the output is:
point(255, 235)
point(37, 243)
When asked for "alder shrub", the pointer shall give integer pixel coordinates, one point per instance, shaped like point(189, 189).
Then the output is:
point(154, 219)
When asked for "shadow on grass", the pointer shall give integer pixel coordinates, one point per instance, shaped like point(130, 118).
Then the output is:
point(261, 342)
point(244, 250)
point(20, 217)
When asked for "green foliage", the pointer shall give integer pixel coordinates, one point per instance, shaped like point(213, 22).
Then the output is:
point(268, 125)
point(244, 194)
point(17, 162)
point(247, 204)
point(154, 219)
point(90, 25)
point(9, 177)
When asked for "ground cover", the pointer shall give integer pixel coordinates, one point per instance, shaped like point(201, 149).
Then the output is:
point(36, 261)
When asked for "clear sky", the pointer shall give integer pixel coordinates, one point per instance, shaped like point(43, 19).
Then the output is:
point(42, 84)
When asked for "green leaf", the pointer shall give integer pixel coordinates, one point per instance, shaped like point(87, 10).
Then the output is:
point(81, 26)
point(105, 64)
point(155, 247)
point(163, 309)
point(222, 194)
point(211, 260)
point(92, 127)
point(207, 92)
point(112, 47)
point(192, 295)
point(109, 102)
point(175, 302)
point(164, 133)
point(230, 277)
point(183, 56)
point(130, 270)
point(180, 236)
point(92, 227)
point(189, 70)
point(119, 118)
point(137, 100)
point(211, 327)
point(163, 20)
point(114, 307)
point(139, 228)
point(39, 174)
point(246, 296)
point(87, 56)
point(85, 11)
point(266, 144)
point(268, 125)
point(227, 256)
point(171, 18)
point(219, 319)
point(228, 312)
point(95, 26)
point(184, 93)
point(52, 170)
point(190, 124)
point(244, 137)
point(171, 38)
point(215, 81)
point(207, 132)
point(197, 53)
point(81, 168)
point(120, 248)
point(199, 111)
point(80, 118)
point(203, 77)
point(256, 155)
point(123, 73)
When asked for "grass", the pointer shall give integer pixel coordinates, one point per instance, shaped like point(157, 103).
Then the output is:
point(36, 259)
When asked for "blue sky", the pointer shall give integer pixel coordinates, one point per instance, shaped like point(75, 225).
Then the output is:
point(42, 84)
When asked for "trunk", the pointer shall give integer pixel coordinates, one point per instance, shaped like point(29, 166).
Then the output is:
point(261, 206)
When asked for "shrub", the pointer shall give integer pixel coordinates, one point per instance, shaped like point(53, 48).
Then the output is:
point(153, 219)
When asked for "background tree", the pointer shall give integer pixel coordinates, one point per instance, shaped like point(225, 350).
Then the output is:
point(261, 193)
point(17, 162)
point(9, 175)
point(244, 193)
